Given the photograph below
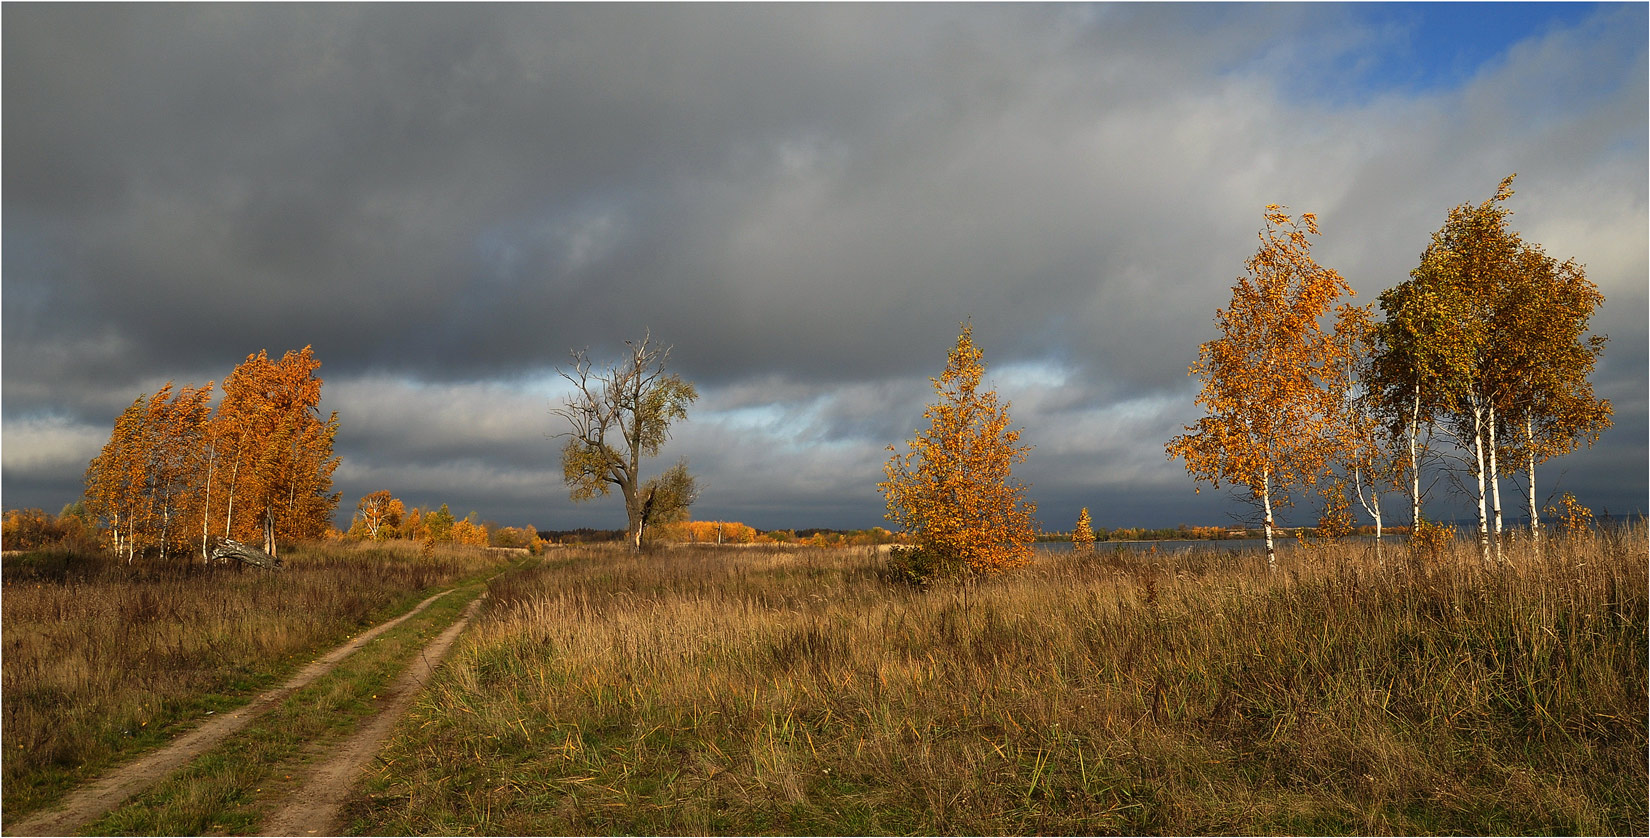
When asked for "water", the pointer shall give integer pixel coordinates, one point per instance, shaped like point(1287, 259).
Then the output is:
point(1167, 546)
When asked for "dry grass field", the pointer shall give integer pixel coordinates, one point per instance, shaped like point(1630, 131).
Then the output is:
point(102, 660)
point(802, 691)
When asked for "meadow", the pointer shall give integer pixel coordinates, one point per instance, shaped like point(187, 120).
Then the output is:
point(103, 660)
point(797, 690)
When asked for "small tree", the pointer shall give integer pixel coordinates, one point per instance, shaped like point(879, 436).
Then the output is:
point(619, 415)
point(1274, 379)
point(1082, 536)
point(666, 498)
point(378, 514)
point(954, 490)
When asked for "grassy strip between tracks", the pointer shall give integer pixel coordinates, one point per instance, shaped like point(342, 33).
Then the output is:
point(104, 662)
point(233, 787)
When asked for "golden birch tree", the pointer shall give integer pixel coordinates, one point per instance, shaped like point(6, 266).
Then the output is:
point(378, 514)
point(1274, 378)
point(147, 480)
point(1494, 333)
point(954, 490)
point(1548, 407)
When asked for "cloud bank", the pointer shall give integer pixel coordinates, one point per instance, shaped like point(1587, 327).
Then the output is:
point(804, 200)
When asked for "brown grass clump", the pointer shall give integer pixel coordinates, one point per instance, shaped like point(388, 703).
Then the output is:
point(766, 690)
point(102, 659)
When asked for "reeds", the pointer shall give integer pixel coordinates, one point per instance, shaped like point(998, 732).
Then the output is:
point(102, 659)
point(795, 691)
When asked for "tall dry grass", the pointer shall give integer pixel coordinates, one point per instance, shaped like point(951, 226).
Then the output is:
point(101, 659)
point(748, 691)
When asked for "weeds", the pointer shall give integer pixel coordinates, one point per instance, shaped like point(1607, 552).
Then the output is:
point(797, 691)
point(103, 659)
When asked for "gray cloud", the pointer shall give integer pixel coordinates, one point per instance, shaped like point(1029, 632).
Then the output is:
point(805, 200)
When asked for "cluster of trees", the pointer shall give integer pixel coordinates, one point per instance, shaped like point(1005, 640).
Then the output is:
point(175, 475)
point(380, 517)
point(1487, 340)
point(831, 538)
point(705, 532)
point(33, 529)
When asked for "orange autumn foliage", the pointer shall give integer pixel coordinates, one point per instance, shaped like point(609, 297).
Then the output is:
point(954, 489)
point(1274, 379)
point(705, 532)
point(174, 476)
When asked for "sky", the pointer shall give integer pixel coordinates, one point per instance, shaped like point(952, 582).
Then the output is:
point(804, 201)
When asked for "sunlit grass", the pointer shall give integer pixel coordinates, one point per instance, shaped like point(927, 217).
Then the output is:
point(102, 660)
point(752, 691)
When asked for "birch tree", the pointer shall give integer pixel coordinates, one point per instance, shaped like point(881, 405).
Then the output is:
point(1274, 379)
point(1549, 408)
point(954, 489)
point(1494, 332)
point(1082, 535)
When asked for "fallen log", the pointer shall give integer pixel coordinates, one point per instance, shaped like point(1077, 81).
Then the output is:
point(245, 554)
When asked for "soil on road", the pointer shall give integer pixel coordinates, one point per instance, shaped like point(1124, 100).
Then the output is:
point(315, 808)
point(100, 796)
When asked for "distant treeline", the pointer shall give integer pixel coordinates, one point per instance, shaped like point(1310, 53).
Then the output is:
point(733, 532)
point(1184, 532)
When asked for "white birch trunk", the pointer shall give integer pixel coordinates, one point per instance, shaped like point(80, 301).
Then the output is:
point(229, 514)
point(1372, 505)
point(1415, 465)
point(1483, 511)
point(1495, 482)
point(1266, 503)
point(206, 503)
point(1535, 521)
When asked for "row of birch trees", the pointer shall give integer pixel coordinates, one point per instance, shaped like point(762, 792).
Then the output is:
point(175, 476)
point(1486, 345)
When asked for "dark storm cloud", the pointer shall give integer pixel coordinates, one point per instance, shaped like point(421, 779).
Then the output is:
point(804, 200)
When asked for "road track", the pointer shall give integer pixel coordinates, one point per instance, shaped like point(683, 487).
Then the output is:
point(98, 797)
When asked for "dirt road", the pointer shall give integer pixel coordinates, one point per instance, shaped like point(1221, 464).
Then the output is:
point(105, 793)
point(314, 809)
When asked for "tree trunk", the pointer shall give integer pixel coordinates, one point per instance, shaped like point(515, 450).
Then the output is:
point(1415, 465)
point(229, 513)
point(1372, 505)
point(1483, 512)
point(1495, 482)
point(1266, 503)
point(206, 504)
point(245, 554)
point(269, 530)
point(1535, 521)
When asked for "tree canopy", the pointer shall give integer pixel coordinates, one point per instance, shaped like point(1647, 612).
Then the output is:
point(954, 490)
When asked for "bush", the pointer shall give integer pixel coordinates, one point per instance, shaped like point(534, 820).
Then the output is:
point(921, 566)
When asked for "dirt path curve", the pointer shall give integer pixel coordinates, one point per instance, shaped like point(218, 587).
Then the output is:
point(91, 801)
point(314, 808)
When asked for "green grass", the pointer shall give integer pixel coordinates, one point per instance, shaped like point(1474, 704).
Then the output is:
point(103, 661)
point(231, 789)
point(772, 691)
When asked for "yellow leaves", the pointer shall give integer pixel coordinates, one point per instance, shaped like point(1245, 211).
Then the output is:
point(1082, 535)
point(953, 490)
point(171, 470)
point(1270, 378)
